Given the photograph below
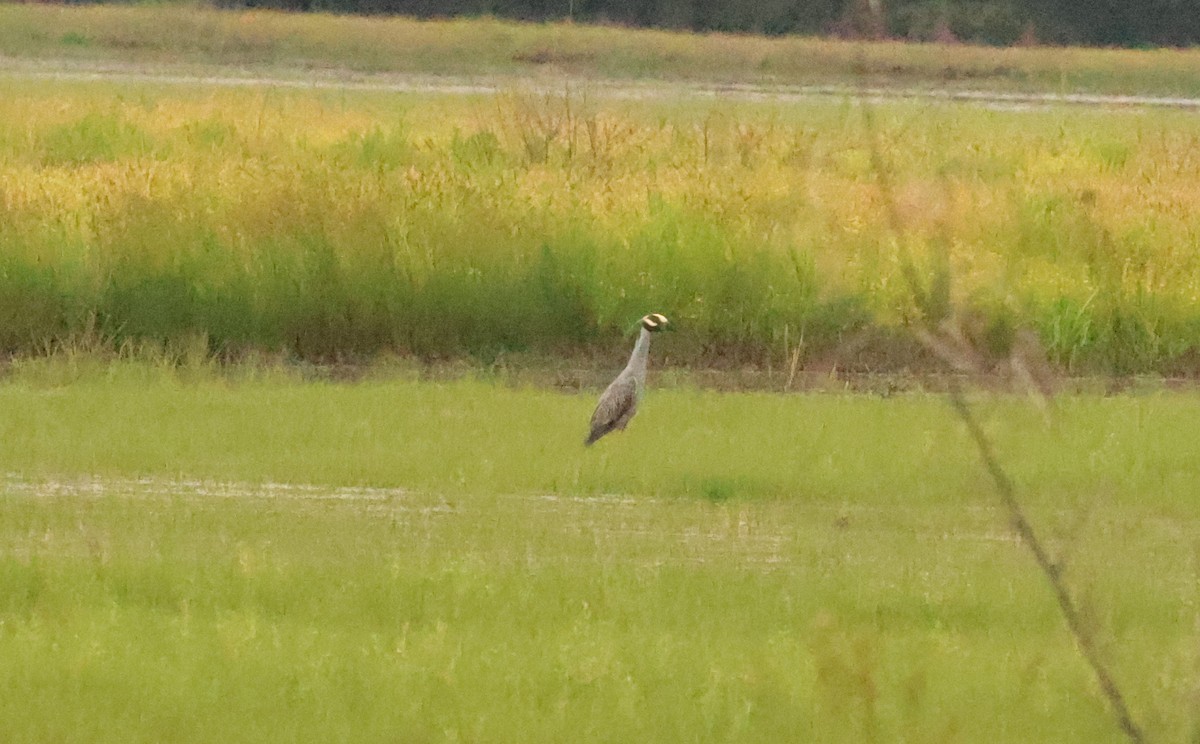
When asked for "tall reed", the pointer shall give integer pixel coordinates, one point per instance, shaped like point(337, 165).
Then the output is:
point(332, 226)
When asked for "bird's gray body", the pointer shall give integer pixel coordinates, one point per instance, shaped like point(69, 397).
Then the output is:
point(617, 405)
point(619, 402)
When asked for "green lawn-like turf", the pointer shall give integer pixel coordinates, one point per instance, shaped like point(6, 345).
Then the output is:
point(199, 557)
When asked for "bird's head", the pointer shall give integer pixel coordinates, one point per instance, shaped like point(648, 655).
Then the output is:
point(654, 322)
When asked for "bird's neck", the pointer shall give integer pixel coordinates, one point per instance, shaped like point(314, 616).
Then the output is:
point(641, 352)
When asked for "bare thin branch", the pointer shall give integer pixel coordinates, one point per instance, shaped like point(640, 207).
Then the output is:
point(957, 352)
point(1051, 570)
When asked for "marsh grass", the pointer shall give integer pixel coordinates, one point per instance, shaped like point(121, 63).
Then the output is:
point(338, 226)
point(249, 618)
point(813, 563)
point(79, 414)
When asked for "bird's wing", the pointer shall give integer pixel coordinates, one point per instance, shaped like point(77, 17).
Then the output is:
point(619, 400)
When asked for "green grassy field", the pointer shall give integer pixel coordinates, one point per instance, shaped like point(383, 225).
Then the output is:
point(191, 557)
point(204, 537)
point(129, 419)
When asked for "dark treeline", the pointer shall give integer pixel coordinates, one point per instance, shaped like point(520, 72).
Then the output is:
point(1096, 22)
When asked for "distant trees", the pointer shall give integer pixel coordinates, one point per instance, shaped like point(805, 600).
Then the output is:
point(1099, 22)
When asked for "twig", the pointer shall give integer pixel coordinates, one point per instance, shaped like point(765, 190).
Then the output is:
point(1024, 528)
point(926, 301)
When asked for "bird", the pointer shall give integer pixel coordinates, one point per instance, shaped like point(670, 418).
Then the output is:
point(619, 401)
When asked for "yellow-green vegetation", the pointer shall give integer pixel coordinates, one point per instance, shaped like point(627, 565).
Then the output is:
point(176, 34)
point(337, 224)
point(733, 567)
point(192, 551)
point(127, 419)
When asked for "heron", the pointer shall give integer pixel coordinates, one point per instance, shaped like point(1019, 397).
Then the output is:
point(619, 401)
